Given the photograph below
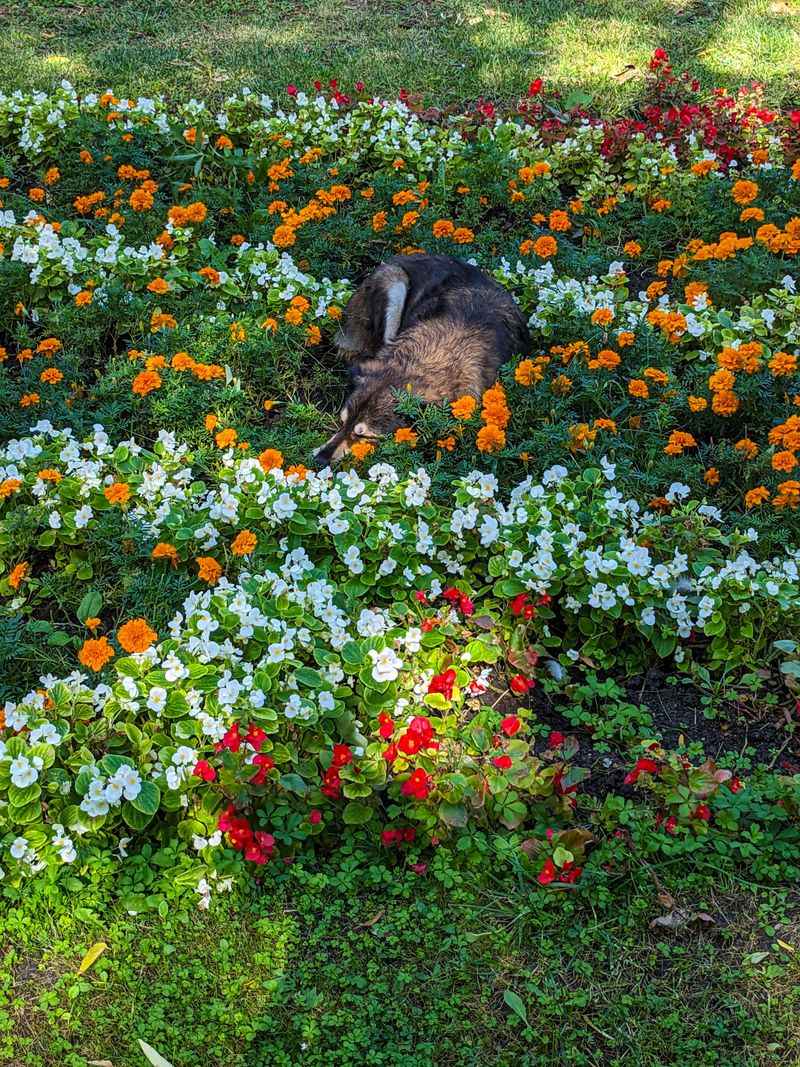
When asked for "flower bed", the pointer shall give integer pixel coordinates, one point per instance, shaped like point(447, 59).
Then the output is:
point(266, 654)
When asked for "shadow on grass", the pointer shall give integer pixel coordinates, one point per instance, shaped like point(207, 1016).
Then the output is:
point(454, 49)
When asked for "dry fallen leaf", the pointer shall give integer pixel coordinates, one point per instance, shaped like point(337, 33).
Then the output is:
point(679, 917)
point(93, 954)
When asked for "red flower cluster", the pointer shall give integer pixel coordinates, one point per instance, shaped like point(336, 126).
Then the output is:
point(418, 785)
point(419, 735)
point(398, 837)
point(256, 845)
point(549, 873)
point(443, 683)
point(460, 600)
point(331, 784)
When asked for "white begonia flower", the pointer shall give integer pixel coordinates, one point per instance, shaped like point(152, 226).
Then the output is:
point(386, 664)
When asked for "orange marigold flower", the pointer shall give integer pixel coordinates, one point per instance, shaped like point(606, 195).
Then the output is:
point(608, 359)
point(141, 200)
point(379, 220)
point(711, 476)
point(36, 194)
point(160, 321)
point(298, 471)
point(721, 380)
point(313, 335)
point(752, 214)
point(117, 493)
point(51, 376)
point(632, 249)
point(49, 346)
point(92, 623)
point(605, 424)
point(83, 298)
point(270, 458)
point(165, 550)
point(784, 461)
point(446, 443)
point(748, 448)
point(788, 495)
point(244, 543)
point(18, 574)
point(29, 400)
point(361, 449)
point(754, 497)
point(226, 438)
point(136, 636)
point(527, 372)
point(463, 235)
point(725, 402)
point(678, 442)
point(208, 569)
point(490, 438)
point(783, 364)
point(744, 192)
point(464, 407)
point(603, 316)
point(443, 228)
point(545, 246)
point(270, 324)
point(559, 221)
point(158, 285)
point(697, 403)
point(9, 486)
point(95, 653)
point(223, 142)
point(406, 436)
point(638, 387)
point(661, 204)
point(660, 377)
point(146, 382)
point(561, 385)
point(625, 339)
point(284, 236)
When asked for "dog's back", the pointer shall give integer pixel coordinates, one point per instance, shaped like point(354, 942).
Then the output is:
point(408, 290)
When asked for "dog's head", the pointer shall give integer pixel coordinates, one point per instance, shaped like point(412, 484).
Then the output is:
point(368, 414)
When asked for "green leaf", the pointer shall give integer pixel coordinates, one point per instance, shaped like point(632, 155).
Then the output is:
point(514, 1002)
point(90, 606)
point(453, 814)
point(295, 784)
point(137, 820)
point(356, 813)
point(148, 799)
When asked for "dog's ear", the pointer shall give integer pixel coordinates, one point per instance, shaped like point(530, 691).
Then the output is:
point(394, 283)
point(372, 317)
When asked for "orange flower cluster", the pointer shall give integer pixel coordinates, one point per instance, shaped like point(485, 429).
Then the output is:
point(495, 414)
point(678, 442)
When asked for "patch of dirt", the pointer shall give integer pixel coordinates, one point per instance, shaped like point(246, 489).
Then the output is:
point(678, 719)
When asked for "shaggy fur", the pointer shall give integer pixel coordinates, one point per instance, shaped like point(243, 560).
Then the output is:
point(428, 325)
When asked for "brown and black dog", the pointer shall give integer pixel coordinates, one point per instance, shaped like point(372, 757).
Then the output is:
point(432, 326)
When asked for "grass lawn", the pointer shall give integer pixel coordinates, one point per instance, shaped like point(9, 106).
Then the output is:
point(453, 50)
point(360, 965)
